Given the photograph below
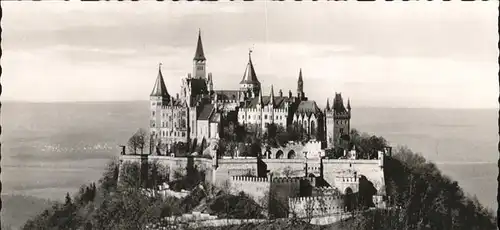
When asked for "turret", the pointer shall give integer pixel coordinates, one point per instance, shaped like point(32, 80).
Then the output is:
point(250, 81)
point(159, 91)
point(259, 101)
point(159, 96)
point(327, 104)
point(271, 98)
point(210, 83)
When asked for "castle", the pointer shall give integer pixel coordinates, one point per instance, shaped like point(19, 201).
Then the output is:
point(199, 111)
point(300, 173)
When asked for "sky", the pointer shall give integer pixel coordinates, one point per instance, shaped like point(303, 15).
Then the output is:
point(407, 54)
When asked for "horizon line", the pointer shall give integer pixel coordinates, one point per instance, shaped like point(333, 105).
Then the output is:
point(129, 101)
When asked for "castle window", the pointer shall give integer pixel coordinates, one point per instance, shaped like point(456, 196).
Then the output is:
point(183, 134)
point(153, 103)
point(259, 117)
point(341, 130)
point(265, 117)
point(153, 113)
point(248, 116)
point(200, 67)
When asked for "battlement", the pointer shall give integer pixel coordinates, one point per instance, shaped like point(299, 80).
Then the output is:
point(286, 180)
point(250, 179)
point(346, 179)
point(289, 180)
point(310, 199)
point(265, 109)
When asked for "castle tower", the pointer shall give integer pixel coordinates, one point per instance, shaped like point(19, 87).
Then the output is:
point(199, 60)
point(338, 121)
point(300, 86)
point(159, 97)
point(250, 81)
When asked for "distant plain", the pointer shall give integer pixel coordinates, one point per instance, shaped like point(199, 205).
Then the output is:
point(49, 149)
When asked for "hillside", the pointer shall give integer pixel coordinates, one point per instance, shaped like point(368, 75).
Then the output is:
point(425, 199)
point(17, 209)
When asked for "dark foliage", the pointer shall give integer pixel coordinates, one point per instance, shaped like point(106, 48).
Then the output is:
point(236, 207)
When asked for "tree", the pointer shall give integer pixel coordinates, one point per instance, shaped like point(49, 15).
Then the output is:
point(130, 175)
point(138, 141)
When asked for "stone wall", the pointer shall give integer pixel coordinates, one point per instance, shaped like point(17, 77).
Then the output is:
point(255, 187)
point(336, 172)
point(315, 205)
point(292, 150)
point(285, 167)
point(371, 169)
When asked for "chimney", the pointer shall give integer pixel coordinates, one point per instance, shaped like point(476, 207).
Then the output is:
point(177, 96)
point(289, 94)
point(281, 93)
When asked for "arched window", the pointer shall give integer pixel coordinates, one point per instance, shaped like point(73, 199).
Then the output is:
point(279, 154)
point(291, 154)
point(313, 128)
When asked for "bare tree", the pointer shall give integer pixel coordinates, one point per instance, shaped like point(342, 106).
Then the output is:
point(309, 206)
point(138, 141)
point(141, 139)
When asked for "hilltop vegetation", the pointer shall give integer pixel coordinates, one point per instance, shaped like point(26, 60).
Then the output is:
point(421, 197)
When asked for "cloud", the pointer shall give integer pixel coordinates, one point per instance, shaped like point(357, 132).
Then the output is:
point(376, 54)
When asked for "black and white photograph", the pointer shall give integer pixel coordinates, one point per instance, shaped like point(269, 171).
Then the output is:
point(249, 115)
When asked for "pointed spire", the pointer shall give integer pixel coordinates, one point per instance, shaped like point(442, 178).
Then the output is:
point(327, 104)
point(348, 104)
point(159, 88)
point(199, 55)
point(300, 85)
point(259, 102)
point(271, 99)
point(249, 77)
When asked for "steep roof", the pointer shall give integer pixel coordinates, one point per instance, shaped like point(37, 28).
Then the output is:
point(206, 112)
point(249, 77)
point(199, 55)
point(338, 104)
point(308, 108)
point(160, 89)
point(227, 95)
point(279, 102)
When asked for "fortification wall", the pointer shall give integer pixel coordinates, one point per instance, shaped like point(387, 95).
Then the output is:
point(315, 205)
point(371, 169)
point(175, 164)
point(256, 187)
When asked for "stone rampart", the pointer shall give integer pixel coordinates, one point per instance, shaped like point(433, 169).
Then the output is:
point(255, 187)
point(339, 168)
point(315, 205)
